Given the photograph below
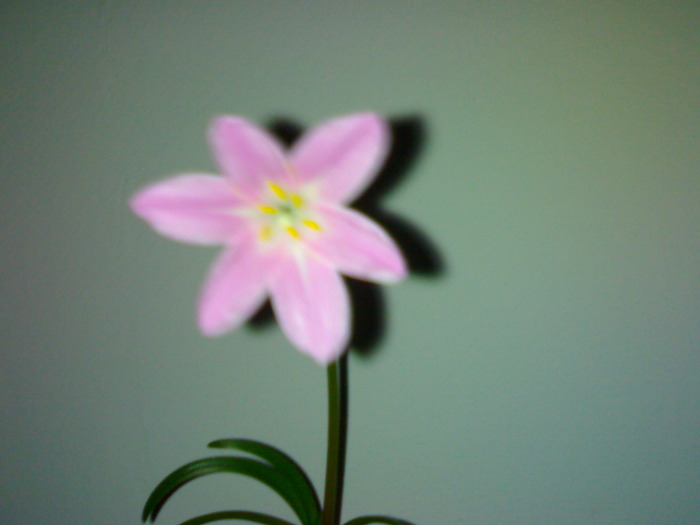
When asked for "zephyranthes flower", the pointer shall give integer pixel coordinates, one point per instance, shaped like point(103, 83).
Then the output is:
point(283, 221)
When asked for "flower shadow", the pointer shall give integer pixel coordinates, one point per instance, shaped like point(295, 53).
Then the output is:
point(368, 304)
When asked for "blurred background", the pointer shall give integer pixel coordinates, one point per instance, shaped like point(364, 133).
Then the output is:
point(540, 366)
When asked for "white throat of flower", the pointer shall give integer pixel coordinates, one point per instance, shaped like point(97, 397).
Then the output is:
point(285, 213)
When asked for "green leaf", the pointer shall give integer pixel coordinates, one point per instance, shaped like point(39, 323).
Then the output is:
point(254, 517)
point(228, 464)
point(364, 520)
point(285, 465)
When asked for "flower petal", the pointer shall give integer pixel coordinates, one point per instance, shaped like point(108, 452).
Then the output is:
point(343, 155)
point(190, 208)
point(358, 246)
point(234, 289)
point(312, 307)
point(247, 155)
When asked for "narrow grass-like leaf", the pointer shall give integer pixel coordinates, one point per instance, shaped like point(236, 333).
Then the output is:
point(286, 466)
point(226, 464)
point(253, 517)
point(365, 520)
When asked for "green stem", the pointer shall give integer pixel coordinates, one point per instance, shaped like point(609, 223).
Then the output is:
point(337, 435)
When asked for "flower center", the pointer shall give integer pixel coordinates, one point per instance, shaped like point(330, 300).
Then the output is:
point(284, 212)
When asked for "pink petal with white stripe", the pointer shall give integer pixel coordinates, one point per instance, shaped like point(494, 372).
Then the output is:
point(358, 247)
point(342, 155)
point(234, 289)
point(312, 306)
point(247, 155)
point(190, 208)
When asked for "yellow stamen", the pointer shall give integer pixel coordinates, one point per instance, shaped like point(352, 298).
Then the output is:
point(291, 230)
point(270, 210)
point(265, 233)
point(297, 200)
point(277, 190)
point(312, 224)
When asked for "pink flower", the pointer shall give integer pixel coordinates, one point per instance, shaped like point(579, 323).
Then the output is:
point(283, 221)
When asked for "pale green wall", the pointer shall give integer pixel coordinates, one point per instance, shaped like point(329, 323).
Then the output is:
point(550, 374)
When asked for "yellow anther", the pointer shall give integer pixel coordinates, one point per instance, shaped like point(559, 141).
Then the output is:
point(277, 190)
point(265, 233)
point(270, 210)
point(297, 200)
point(312, 224)
point(291, 230)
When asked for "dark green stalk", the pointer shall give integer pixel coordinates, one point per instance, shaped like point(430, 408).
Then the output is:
point(337, 435)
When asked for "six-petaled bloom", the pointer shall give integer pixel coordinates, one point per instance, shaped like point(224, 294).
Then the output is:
point(282, 219)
